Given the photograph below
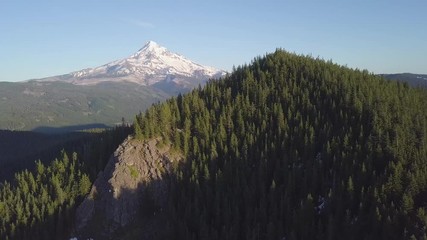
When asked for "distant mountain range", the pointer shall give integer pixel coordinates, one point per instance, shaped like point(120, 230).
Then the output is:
point(415, 80)
point(102, 95)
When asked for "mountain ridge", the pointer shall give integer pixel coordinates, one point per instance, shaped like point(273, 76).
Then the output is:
point(415, 80)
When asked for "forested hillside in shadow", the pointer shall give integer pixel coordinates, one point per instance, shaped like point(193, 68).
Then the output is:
point(297, 148)
point(20, 149)
point(40, 201)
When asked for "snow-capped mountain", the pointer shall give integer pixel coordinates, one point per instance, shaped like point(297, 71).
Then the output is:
point(151, 65)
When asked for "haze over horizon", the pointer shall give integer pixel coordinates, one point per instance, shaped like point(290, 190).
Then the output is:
point(53, 38)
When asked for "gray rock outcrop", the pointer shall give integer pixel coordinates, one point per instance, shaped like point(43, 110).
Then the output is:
point(137, 169)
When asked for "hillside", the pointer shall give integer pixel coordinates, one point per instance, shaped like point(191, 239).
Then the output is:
point(297, 148)
point(36, 105)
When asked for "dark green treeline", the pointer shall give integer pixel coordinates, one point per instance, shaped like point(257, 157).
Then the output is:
point(291, 147)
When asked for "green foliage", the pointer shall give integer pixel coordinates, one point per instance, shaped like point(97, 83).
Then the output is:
point(137, 129)
point(84, 185)
point(297, 148)
point(133, 172)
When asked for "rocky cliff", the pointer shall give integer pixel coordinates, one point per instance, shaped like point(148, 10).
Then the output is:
point(134, 183)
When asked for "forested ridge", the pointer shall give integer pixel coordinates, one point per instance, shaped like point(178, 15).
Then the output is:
point(291, 147)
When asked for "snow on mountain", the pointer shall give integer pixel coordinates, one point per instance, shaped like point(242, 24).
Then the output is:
point(152, 64)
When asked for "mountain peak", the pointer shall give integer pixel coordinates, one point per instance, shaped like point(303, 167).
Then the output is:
point(150, 65)
point(151, 47)
point(151, 44)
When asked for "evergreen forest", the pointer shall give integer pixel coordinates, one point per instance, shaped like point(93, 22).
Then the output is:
point(292, 147)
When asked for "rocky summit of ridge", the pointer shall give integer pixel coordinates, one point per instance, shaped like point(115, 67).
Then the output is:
point(151, 65)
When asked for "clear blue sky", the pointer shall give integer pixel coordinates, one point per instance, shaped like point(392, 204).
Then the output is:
point(46, 38)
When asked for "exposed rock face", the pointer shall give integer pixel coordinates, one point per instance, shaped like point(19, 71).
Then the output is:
point(135, 170)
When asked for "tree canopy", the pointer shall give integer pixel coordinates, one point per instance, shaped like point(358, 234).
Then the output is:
point(298, 148)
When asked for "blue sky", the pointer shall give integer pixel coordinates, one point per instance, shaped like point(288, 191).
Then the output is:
point(46, 38)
